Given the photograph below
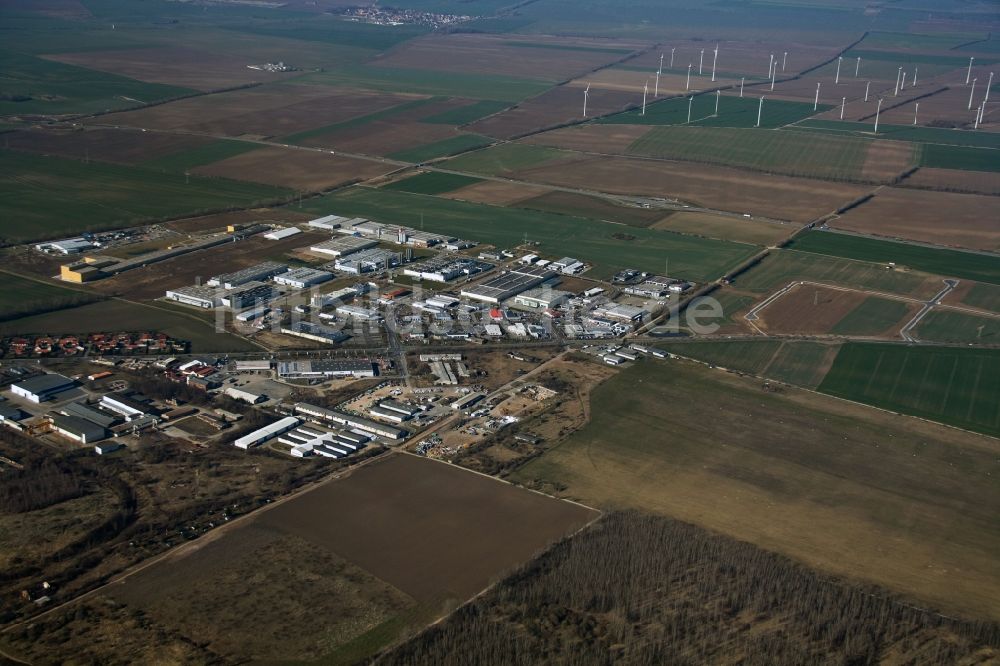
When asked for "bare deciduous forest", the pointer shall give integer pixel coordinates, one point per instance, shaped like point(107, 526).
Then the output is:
point(640, 589)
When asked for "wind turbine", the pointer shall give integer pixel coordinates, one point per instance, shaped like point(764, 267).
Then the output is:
point(586, 94)
point(660, 70)
point(656, 91)
point(701, 61)
point(915, 70)
point(969, 73)
point(690, 101)
point(645, 91)
point(672, 57)
point(898, 74)
point(867, 86)
point(877, 110)
point(687, 85)
point(836, 79)
point(843, 103)
point(774, 72)
point(816, 101)
point(857, 68)
point(715, 59)
point(988, 86)
point(916, 110)
point(760, 110)
point(741, 86)
point(784, 59)
point(902, 86)
point(978, 114)
point(770, 63)
point(972, 91)
point(718, 93)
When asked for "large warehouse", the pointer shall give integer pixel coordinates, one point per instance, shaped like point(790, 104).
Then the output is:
point(302, 278)
point(342, 245)
point(509, 284)
point(42, 387)
point(350, 420)
point(262, 271)
point(267, 432)
point(199, 295)
point(331, 367)
point(443, 269)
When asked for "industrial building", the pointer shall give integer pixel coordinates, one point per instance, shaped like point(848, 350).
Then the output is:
point(327, 222)
point(315, 332)
point(359, 313)
point(249, 295)
point(309, 440)
point(251, 314)
point(351, 421)
point(655, 286)
point(444, 269)
point(78, 429)
point(387, 414)
point(199, 295)
point(245, 396)
point(622, 313)
point(509, 284)
point(342, 245)
point(467, 401)
point(278, 234)
point(267, 432)
point(368, 261)
point(257, 273)
point(92, 414)
point(567, 265)
point(263, 365)
point(67, 246)
point(127, 406)
point(326, 368)
point(542, 298)
point(303, 278)
point(40, 388)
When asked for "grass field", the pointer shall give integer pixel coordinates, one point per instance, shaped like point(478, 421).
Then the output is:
point(783, 266)
point(467, 114)
point(32, 85)
point(949, 263)
point(431, 182)
point(23, 296)
point(43, 197)
point(873, 316)
point(952, 137)
point(443, 148)
point(779, 152)
point(844, 488)
point(986, 296)
point(506, 158)
point(733, 112)
point(186, 160)
point(798, 362)
point(751, 356)
point(116, 315)
point(726, 227)
point(801, 363)
point(959, 157)
point(609, 247)
point(429, 82)
point(950, 326)
point(582, 205)
point(957, 386)
point(359, 121)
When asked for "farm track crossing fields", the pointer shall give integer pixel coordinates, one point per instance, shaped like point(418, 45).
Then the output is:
point(726, 227)
point(861, 493)
point(609, 247)
point(779, 152)
point(43, 197)
point(443, 148)
point(783, 266)
point(949, 263)
point(959, 386)
point(733, 112)
point(467, 114)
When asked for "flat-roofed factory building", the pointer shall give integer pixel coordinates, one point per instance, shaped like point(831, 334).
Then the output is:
point(509, 284)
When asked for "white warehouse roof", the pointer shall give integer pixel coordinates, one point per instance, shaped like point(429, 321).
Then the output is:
point(278, 234)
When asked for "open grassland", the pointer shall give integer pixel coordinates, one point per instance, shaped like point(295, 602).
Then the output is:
point(609, 247)
point(506, 159)
point(839, 158)
point(443, 148)
point(860, 493)
point(958, 386)
point(733, 112)
point(726, 227)
point(950, 263)
point(673, 593)
point(941, 325)
point(431, 182)
point(43, 197)
point(21, 296)
point(33, 86)
point(117, 315)
point(959, 157)
point(781, 267)
point(918, 134)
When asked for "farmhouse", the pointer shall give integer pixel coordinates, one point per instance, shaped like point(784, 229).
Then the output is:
point(42, 387)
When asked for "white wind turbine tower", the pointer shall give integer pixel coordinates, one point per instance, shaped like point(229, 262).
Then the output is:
point(645, 91)
point(718, 93)
point(979, 112)
point(843, 103)
point(857, 68)
point(687, 85)
point(672, 57)
point(770, 63)
point(916, 110)
point(877, 110)
point(898, 74)
point(690, 102)
point(715, 59)
point(701, 61)
point(867, 87)
point(816, 101)
point(586, 94)
point(784, 60)
point(836, 79)
point(972, 91)
point(989, 85)
point(760, 110)
point(915, 70)
point(774, 73)
point(902, 85)
point(656, 90)
point(741, 86)
point(969, 73)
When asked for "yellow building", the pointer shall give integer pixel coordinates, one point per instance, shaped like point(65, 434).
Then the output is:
point(86, 269)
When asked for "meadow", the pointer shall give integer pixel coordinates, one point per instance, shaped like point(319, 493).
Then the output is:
point(609, 247)
point(22, 296)
point(777, 152)
point(733, 112)
point(46, 197)
point(949, 263)
point(959, 386)
point(852, 491)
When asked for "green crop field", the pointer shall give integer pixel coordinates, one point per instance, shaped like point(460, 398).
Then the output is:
point(609, 247)
point(907, 59)
point(331, 30)
point(429, 82)
point(953, 137)
point(958, 386)
point(31, 85)
point(959, 157)
point(985, 296)
point(873, 316)
point(117, 315)
point(731, 302)
point(431, 182)
point(360, 121)
point(941, 325)
point(467, 114)
point(949, 263)
point(733, 112)
point(443, 148)
point(195, 157)
point(801, 363)
point(917, 42)
point(21, 296)
point(751, 356)
point(43, 197)
point(779, 152)
point(783, 266)
point(506, 158)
